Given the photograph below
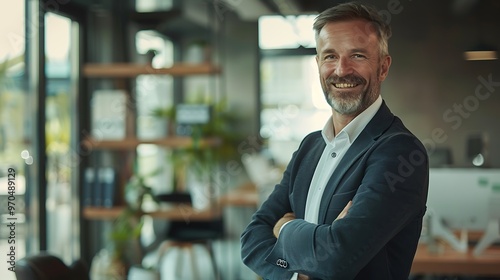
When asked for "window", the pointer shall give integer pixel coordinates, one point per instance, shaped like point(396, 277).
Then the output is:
point(277, 32)
point(292, 100)
point(61, 58)
point(15, 137)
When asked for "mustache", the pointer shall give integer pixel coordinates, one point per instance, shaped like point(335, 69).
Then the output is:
point(349, 79)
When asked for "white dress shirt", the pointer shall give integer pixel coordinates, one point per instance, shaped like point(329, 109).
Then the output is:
point(335, 149)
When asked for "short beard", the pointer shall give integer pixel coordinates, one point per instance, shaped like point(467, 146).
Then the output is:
point(345, 107)
point(351, 105)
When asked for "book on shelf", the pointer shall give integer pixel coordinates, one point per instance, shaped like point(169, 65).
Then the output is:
point(88, 186)
point(108, 186)
point(108, 113)
point(99, 187)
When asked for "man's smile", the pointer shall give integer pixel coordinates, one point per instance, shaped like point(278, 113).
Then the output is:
point(344, 85)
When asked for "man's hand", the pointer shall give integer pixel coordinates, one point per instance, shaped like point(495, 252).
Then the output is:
point(286, 218)
point(302, 277)
point(344, 212)
point(276, 230)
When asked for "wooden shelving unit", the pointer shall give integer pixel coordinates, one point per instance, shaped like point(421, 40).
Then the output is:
point(128, 70)
point(121, 155)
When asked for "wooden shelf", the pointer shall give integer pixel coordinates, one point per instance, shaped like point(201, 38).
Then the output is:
point(102, 213)
point(180, 212)
point(129, 70)
point(132, 143)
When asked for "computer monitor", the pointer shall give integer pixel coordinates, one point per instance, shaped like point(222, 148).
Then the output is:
point(461, 197)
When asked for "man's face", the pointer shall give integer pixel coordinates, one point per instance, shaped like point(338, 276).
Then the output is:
point(350, 66)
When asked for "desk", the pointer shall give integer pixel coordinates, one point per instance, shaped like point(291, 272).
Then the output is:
point(450, 262)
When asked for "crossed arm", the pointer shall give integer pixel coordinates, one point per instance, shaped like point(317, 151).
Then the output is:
point(291, 216)
point(388, 198)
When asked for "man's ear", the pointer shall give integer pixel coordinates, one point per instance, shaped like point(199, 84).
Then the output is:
point(385, 64)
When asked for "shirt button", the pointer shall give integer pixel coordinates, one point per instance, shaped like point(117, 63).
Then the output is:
point(334, 154)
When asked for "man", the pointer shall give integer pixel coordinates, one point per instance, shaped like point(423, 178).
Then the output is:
point(351, 201)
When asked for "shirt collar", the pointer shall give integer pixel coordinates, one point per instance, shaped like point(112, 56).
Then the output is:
point(354, 128)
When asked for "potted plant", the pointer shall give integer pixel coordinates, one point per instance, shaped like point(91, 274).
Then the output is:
point(124, 251)
point(157, 124)
point(196, 164)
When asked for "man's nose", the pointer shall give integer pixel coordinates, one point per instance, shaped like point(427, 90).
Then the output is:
point(343, 67)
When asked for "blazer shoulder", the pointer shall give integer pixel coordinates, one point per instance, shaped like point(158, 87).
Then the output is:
point(398, 134)
point(399, 128)
point(312, 136)
point(311, 139)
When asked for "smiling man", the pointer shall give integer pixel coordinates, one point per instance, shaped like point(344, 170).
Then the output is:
point(351, 201)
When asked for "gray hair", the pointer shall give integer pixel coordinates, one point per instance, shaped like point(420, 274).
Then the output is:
point(352, 11)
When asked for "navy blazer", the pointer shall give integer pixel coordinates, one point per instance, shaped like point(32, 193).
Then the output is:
point(384, 173)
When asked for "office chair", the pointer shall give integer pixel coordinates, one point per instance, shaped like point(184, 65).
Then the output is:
point(49, 267)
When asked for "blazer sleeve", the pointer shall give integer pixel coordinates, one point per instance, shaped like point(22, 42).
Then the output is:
point(257, 240)
point(393, 193)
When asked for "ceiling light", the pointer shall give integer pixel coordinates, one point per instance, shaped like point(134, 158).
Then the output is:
point(481, 55)
point(481, 52)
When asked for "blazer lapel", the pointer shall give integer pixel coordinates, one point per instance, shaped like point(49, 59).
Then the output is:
point(304, 178)
point(379, 123)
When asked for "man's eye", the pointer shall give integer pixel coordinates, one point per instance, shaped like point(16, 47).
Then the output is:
point(359, 56)
point(329, 57)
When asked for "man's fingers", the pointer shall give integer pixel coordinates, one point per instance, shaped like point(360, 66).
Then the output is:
point(286, 218)
point(303, 277)
point(289, 215)
point(345, 210)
